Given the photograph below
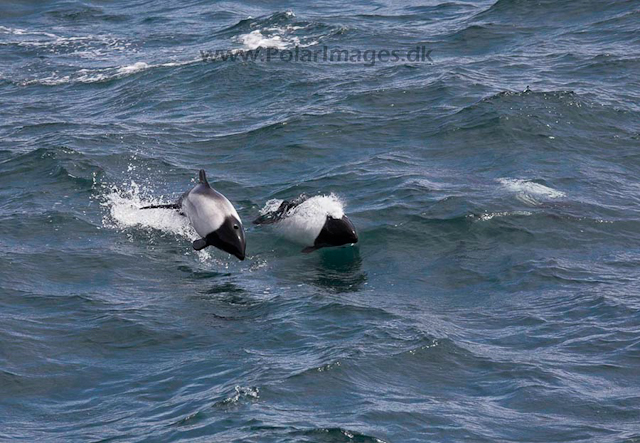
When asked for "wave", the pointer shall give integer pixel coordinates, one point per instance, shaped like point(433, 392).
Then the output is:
point(444, 7)
point(529, 112)
point(277, 18)
point(280, 30)
point(491, 215)
point(110, 57)
point(250, 393)
point(102, 75)
point(56, 164)
point(481, 38)
point(582, 108)
point(334, 435)
point(625, 21)
point(92, 46)
point(544, 12)
point(21, 31)
point(85, 13)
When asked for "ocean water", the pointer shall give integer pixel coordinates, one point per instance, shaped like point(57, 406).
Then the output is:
point(494, 294)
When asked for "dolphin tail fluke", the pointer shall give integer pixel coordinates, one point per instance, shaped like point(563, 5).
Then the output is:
point(202, 176)
point(171, 206)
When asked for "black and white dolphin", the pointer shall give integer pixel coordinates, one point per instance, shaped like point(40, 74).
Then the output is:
point(213, 217)
point(316, 222)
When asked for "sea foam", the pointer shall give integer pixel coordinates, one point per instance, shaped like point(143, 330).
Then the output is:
point(123, 211)
point(256, 39)
point(530, 192)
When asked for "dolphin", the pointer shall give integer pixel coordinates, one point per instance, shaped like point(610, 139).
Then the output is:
point(212, 216)
point(313, 222)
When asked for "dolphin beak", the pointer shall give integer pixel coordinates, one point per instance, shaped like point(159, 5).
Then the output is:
point(350, 230)
point(241, 251)
point(238, 245)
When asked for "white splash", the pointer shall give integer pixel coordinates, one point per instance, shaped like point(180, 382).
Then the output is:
point(131, 69)
point(251, 392)
point(19, 31)
point(529, 192)
point(124, 212)
point(270, 206)
point(103, 74)
point(277, 37)
point(303, 223)
point(490, 215)
point(256, 39)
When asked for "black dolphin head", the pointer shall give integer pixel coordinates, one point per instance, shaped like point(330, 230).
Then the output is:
point(229, 237)
point(336, 232)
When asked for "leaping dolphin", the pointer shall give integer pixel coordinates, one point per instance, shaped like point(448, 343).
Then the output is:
point(213, 217)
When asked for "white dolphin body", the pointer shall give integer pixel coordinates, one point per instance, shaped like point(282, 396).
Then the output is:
point(207, 209)
point(315, 222)
point(213, 217)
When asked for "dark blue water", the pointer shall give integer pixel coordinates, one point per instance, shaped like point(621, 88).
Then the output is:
point(494, 294)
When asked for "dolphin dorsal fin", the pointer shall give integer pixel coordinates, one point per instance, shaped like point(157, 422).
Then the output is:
point(203, 177)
